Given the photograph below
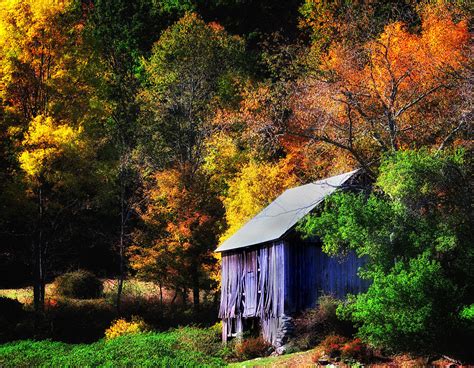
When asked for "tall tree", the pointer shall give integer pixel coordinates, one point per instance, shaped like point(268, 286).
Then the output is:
point(190, 73)
point(120, 32)
point(49, 153)
point(40, 68)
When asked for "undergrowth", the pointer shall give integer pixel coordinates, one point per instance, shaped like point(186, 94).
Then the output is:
point(145, 350)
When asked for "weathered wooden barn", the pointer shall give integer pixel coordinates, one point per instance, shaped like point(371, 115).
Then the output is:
point(269, 272)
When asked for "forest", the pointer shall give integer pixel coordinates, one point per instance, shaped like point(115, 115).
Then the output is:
point(136, 136)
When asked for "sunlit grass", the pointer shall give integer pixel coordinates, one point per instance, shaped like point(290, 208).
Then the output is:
point(132, 288)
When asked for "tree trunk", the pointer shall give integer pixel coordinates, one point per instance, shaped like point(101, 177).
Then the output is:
point(121, 250)
point(196, 291)
point(38, 272)
point(161, 295)
point(184, 294)
point(174, 297)
point(121, 276)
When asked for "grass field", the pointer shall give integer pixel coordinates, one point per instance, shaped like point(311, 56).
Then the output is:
point(168, 349)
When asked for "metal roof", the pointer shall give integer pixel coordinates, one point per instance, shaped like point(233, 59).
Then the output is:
point(283, 213)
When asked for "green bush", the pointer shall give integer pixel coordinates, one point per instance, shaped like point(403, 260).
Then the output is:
point(467, 313)
point(205, 340)
point(79, 284)
point(141, 350)
point(414, 302)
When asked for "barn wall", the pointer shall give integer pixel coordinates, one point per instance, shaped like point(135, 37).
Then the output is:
point(338, 276)
point(253, 286)
point(280, 279)
point(301, 287)
point(312, 273)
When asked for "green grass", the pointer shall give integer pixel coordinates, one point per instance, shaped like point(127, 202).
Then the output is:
point(141, 350)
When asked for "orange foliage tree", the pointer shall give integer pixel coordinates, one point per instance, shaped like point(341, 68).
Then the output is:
point(392, 96)
point(180, 223)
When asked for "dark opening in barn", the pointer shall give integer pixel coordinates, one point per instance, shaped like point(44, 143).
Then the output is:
point(269, 273)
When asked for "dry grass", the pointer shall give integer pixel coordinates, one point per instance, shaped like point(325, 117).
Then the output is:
point(132, 288)
point(304, 359)
point(25, 295)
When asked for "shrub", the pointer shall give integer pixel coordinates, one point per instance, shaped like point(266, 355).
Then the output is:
point(122, 327)
point(79, 321)
point(79, 284)
point(205, 340)
point(252, 347)
point(406, 309)
point(313, 325)
point(11, 313)
point(333, 344)
point(10, 309)
point(467, 313)
point(355, 349)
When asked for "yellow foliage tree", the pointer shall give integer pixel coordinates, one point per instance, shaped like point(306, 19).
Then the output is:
point(44, 142)
point(40, 58)
point(48, 150)
point(255, 186)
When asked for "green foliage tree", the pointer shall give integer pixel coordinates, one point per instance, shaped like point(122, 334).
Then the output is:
point(413, 229)
point(188, 75)
point(121, 32)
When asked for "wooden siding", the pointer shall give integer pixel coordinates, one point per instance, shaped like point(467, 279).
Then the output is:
point(311, 273)
point(280, 279)
point(252, 286)
point(338, 276)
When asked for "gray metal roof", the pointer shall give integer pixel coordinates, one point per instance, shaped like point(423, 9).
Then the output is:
point(283, 213)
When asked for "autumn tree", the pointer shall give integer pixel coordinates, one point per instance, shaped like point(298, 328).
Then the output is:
point(351, 22)
point(254, 187)
point(395, 97)
point(50, 159)
point(189, 73)
point(41, 69)
point(174, 245)
point(120, 32)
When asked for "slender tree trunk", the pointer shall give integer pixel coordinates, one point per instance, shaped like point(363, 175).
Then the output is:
point(195, 276)
point(38, 254)
point(121, 248)
point(184, 294)
point(174, 297)
point(161, 295)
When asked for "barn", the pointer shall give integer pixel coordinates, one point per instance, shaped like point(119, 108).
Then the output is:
point(269, 273)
